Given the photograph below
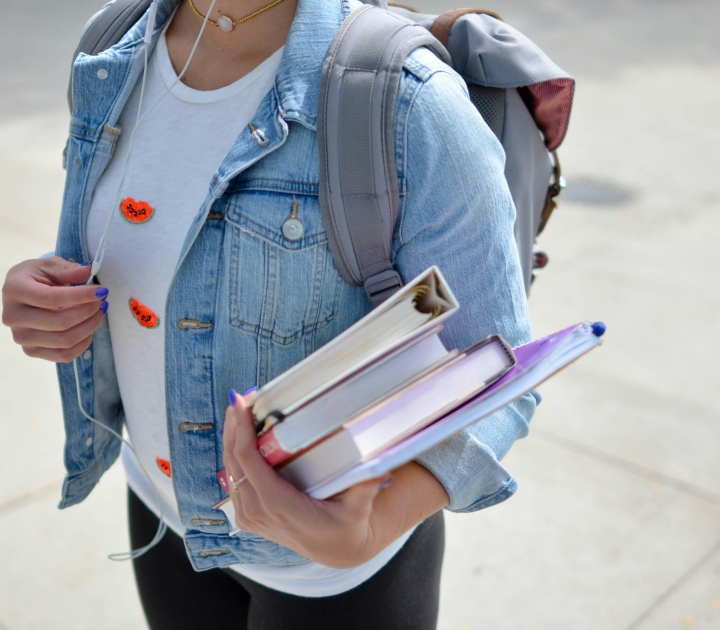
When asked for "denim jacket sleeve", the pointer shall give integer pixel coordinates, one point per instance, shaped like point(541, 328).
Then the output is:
point(457, 213)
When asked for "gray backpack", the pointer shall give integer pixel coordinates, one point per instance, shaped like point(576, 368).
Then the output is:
point(523, 97)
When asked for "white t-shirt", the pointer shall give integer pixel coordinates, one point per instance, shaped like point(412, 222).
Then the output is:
point(180, 145)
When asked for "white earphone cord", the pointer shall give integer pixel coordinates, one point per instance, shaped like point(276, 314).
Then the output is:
point(100, 254)
point(162, 527)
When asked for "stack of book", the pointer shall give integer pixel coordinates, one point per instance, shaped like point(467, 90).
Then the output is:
point(387, 389)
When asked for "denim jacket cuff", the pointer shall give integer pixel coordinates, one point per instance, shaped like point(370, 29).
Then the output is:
point(470, 473)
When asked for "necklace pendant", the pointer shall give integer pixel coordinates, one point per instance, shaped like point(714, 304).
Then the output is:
point(225, 24)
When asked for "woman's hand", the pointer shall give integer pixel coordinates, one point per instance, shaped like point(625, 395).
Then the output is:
point(343, 531)
point(48, 317)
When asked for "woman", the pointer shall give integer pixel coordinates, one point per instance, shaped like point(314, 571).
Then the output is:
point(204, 292)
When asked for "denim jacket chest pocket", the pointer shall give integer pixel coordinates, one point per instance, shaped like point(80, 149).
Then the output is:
point(281, 289)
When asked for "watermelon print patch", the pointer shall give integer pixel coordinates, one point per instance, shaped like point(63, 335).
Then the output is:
point(164, 466)
point(136, 211)
point(144, 316)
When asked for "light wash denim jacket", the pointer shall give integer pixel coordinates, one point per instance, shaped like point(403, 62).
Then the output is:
point(248, 303)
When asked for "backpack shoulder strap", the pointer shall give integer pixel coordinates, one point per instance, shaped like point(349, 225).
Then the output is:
point(359, 193)
point(106, 29)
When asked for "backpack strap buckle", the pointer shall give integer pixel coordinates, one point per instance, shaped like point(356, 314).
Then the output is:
point(382, 285)
point(554, 190)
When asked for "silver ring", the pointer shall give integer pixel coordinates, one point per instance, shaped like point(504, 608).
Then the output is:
point(234, 484)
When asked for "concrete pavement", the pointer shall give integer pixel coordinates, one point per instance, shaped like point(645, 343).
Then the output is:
point(616, 525)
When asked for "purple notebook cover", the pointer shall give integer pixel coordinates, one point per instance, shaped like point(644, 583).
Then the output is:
point(527, 356)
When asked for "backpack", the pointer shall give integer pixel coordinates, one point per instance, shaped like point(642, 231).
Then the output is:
point(524, 98)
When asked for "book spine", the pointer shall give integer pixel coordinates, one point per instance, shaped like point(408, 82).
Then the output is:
point(271, 450)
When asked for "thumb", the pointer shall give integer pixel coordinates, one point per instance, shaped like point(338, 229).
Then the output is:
point(358, 499)
point(59, 271)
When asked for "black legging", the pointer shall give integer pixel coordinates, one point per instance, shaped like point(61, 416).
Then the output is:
point(402, 595)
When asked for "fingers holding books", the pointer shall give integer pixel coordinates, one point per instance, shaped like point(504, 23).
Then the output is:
point(241, 454)
point(235, 474)
point(256, 489)
point(335, 532)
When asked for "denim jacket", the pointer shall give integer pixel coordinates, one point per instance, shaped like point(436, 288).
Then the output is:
point(250, 303)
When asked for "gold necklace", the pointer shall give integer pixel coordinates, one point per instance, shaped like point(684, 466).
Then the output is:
point(225, 24)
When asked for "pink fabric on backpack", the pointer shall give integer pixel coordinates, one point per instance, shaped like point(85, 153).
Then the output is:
point(550, 103)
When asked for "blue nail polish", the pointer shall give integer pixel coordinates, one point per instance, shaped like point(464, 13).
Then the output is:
point(86, 263)
point(598, 329)
point(102, 293)
point(232, 397)
point(249, 391)
point(104, 307)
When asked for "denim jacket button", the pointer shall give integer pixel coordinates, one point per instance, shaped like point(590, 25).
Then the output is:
point(102, 74)
point(260, 137)
point(87, 354)
point(89, 442)
point(293, 229)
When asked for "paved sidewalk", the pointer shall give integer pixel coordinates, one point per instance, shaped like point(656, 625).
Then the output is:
point(616, 525)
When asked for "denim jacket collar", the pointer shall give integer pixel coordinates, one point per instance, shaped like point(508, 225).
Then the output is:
point(298, 79)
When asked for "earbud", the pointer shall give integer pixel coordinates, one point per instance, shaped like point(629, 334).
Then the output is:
point(150, 26)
